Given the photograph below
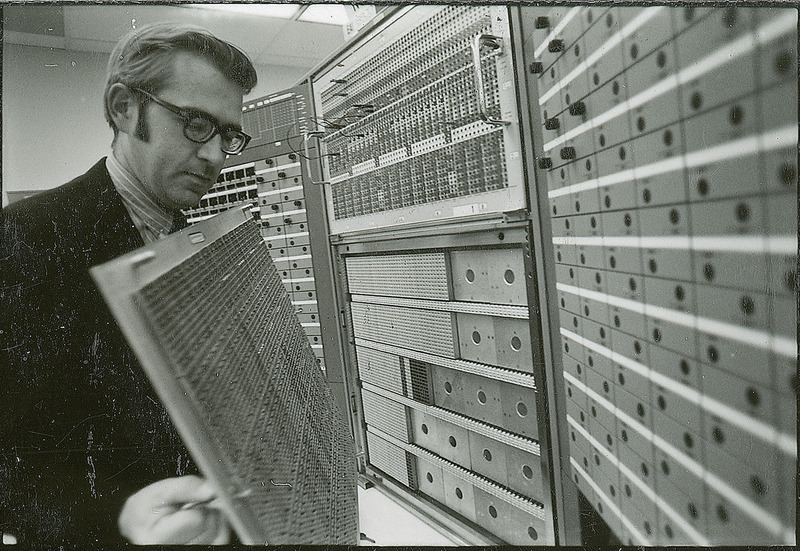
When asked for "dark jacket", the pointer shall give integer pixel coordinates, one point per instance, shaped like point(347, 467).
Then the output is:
point(81, 427)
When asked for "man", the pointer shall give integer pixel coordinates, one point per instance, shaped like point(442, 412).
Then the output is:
point(87, 452)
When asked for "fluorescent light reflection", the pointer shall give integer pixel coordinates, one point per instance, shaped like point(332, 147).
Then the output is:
point(276, 11)
point(332, 14)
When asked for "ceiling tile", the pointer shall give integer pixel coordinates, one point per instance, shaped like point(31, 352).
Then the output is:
point(298, 39)
point(279, 11)
point(332, 14)
point(86, 27)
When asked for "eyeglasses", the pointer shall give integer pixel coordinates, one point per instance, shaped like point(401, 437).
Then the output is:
point(200, 127)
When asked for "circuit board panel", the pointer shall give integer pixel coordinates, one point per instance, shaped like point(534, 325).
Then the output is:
point(407, 122)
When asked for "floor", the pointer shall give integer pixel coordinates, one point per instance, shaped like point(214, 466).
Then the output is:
point(389, 523)
point(382, 520)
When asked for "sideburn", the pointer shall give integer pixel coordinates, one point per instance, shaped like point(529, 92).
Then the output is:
point(142, 130)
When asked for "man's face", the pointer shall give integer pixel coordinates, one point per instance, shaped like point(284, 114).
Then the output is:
point(176, 170)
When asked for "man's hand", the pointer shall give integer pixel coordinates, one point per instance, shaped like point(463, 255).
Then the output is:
point(158, 514)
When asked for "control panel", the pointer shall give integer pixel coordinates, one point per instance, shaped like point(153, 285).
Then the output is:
point(667, 158)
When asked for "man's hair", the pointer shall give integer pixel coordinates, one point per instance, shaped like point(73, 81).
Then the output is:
point(144, 58)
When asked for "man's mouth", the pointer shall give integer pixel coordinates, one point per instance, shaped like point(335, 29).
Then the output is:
point(204, 179)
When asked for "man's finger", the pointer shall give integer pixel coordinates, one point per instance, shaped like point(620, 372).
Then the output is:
point(181, 527)
point(176, 492)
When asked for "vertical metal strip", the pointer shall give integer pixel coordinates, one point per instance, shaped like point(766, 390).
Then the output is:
point(540, 271)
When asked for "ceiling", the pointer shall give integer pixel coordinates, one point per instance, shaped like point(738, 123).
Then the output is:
point(270, 35)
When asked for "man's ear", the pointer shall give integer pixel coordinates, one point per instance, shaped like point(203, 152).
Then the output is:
point(123, 106)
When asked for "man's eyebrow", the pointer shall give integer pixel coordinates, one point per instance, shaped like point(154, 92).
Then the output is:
point(209, 116)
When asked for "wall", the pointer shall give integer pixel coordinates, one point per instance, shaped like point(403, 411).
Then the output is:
point(53, 124)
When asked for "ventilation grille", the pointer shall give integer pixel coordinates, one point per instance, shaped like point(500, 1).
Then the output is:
point(405, 327)
point(385, 414)
point(419, 376)
point(380, 368)
point(392, 460)
point(399, 275)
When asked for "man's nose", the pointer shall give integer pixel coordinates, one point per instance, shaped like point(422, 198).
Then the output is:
point(211, 151)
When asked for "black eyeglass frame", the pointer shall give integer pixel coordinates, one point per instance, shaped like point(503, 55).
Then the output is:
point(188, 114)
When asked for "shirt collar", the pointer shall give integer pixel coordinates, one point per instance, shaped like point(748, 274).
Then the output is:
point(151, 219)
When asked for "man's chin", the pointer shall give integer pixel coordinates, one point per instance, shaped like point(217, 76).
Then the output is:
point(189, 199)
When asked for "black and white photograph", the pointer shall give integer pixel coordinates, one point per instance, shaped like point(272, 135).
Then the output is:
point(421, 275)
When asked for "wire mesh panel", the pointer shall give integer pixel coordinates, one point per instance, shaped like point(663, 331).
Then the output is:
point(210, 320)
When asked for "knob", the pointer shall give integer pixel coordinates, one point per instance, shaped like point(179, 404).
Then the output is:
point(545, 163)
point(542, 22)
point(577, 108)
point(556, 45)
point(567, 153)
point(536, 67)
point(552, 124)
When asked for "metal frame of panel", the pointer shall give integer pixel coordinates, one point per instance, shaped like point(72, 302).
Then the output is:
point(563, 489)
point(332, 316)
